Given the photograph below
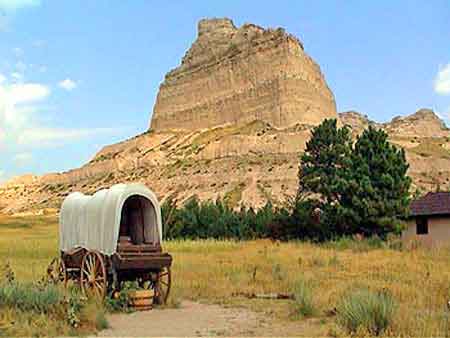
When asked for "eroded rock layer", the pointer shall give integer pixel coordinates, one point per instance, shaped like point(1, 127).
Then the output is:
point(238, 75)
point(231, 123)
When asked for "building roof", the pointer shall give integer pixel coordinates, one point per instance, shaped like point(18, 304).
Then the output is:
point(433, 203)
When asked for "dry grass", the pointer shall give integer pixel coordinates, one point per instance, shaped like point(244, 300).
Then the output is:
point(431, 148)
point(212, 271)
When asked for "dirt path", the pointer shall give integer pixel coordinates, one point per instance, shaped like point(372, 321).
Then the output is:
point(195, 319)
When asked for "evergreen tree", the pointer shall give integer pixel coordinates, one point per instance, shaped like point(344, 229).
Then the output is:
point(378, 193)
point(325, 162)
point(324, 173)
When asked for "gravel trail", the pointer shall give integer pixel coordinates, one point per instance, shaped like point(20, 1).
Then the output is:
point(195, 319)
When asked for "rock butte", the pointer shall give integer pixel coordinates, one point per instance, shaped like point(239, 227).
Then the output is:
point(230, 122)
point(238, 75)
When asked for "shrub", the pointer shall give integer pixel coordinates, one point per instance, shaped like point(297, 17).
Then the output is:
point(366, 310)
point(74, 306)
point(355, 244)
point(101, 322)
point(201, 220)
point(120, 301)
point(27, 297)
point(303, 300)
point(38, 304)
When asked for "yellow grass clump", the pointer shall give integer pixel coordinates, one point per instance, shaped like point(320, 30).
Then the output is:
point(220, 271)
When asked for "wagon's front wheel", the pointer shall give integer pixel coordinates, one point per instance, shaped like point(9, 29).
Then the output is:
point(93, 275)
point(56, 272)
point(161, 286)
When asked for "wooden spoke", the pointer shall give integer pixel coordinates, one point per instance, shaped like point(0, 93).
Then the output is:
point(162, 285)
point(93, 274)
point(56, 272)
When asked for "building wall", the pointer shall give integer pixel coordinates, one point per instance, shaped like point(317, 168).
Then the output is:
point(438, 231)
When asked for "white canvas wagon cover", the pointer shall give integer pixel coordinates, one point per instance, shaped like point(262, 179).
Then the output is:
point(93, 221)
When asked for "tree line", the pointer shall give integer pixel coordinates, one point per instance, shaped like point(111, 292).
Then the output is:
point(345, 188)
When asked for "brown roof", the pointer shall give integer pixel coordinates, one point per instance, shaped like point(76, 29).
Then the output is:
point(433, 203)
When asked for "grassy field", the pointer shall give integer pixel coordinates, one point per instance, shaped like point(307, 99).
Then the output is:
point(215, 271)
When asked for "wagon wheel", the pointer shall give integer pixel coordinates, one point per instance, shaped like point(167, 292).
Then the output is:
point(56, 272)
point(161, 286)
point(93, 274)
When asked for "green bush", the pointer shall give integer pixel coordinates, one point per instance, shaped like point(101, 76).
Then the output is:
point(303, 299)
point(367, 310)
point(27, 297)
point(208, 219)
point(101, 323)
point(47, 309)
point(356, 244)
point(121, 301)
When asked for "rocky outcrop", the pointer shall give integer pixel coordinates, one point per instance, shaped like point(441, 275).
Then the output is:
point(425, 139)
point(238, 75)
point(423, 123)
point(356, 121)
point(230, 122)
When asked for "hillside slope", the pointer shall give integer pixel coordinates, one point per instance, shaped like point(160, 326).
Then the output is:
point(230, 122)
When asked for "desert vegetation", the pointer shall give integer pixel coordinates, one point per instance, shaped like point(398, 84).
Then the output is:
point(341, 287)
point(29, 304)
point(344, 190)
point(333, 247)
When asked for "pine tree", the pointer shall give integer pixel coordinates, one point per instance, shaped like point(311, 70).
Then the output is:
point(325, 161)
point(324, 174)
point(378, 193)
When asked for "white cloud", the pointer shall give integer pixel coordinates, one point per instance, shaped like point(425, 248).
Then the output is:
point(68, 84)
point(9, 7)
point(442, 81)
point(22, 159)
point(19, 107)
point(24, 93)
point(13, 5)
point(22, 131)
point(17, 76)
point(54, 136)
point(21, 67)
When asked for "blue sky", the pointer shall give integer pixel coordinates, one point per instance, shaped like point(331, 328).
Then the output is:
point(77, 75)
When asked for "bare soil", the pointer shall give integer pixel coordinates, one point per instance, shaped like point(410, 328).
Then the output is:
point(195, 319)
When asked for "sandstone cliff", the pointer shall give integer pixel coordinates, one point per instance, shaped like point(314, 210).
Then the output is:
point(356, 121)
point(238, 75)
point(423, 123)
point(232, 124)
point(426, 141)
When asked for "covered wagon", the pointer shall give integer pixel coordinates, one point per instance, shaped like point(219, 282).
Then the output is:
point(111, 237)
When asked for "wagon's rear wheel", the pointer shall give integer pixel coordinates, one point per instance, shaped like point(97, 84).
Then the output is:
point(93, 275)
point(161, 286)
point(56, 272)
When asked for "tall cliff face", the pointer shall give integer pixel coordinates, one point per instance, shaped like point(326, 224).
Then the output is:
point(230, 122)
point(238, 75)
